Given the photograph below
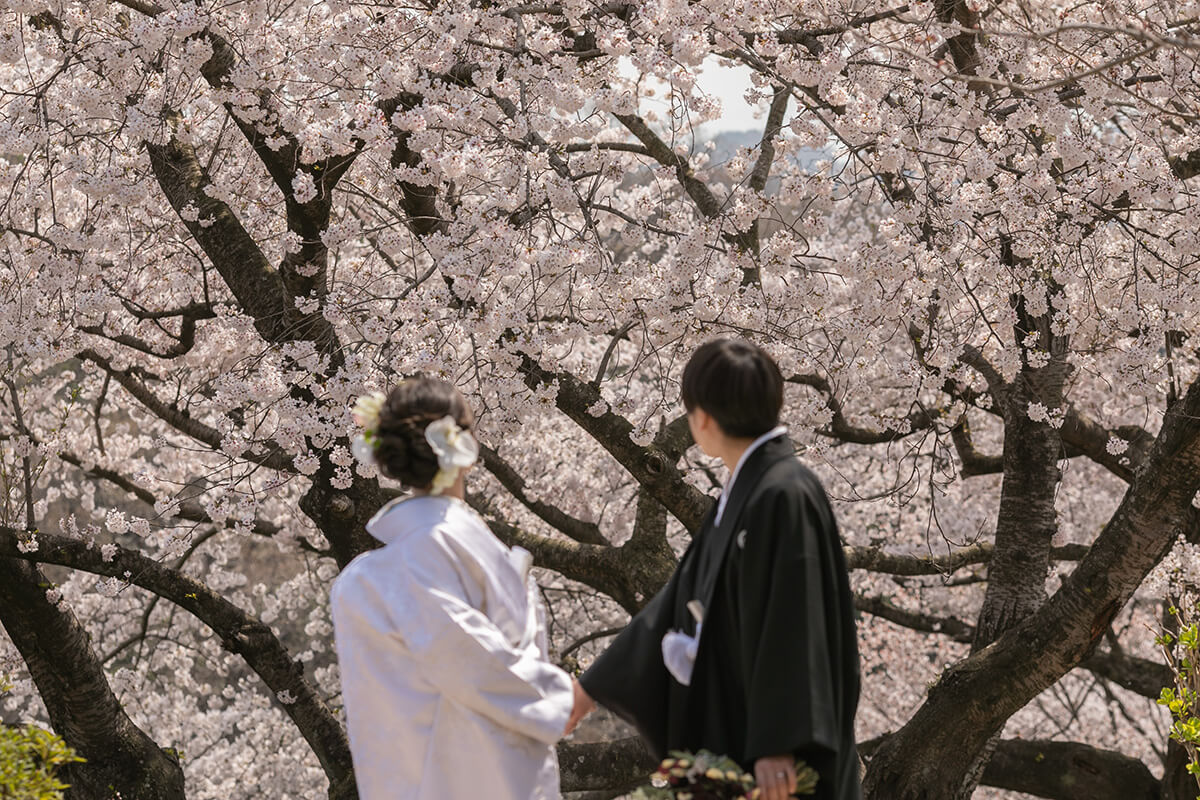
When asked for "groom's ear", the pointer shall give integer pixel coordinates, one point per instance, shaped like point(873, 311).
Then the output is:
point(703, 421)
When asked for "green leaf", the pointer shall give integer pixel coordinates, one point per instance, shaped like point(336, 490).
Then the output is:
point(29, 760)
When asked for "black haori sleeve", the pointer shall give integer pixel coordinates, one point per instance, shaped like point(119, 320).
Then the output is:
point(629, 678)
point(798, 650)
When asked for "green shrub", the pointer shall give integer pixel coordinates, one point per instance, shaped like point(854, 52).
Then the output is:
point(1182, 652)
point(30, 757)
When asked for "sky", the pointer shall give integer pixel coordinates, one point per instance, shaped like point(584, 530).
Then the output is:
point(729, 84)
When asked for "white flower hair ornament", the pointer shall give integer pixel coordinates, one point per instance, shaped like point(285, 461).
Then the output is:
point(455, 448)
point(366, 415)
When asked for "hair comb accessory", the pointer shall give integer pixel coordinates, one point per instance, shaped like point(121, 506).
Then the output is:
point(455, 448)
point(366, 415)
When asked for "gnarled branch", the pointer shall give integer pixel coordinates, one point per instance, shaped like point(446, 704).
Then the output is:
point(240, 632)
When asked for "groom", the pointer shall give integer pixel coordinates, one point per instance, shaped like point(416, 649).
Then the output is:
point(749, 650)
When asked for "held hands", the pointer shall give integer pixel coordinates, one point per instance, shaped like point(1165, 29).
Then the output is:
point(584, 705)
point(776, 777)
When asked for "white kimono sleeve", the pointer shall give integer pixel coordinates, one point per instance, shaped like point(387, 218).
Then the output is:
point(473, 663)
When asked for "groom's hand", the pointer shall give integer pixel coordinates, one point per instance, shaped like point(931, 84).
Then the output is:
point(776, 777)
point(584, 705)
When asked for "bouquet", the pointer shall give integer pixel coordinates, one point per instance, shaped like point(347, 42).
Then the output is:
point(707, 776)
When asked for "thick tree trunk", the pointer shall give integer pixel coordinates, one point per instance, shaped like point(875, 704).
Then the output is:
point(1026, 521)
point(342, 515)
point(620, 764)
point(121, 758)
point(1025, 524)
point(929, 757)
point(1177, 782)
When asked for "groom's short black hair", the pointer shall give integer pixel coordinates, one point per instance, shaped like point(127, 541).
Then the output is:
point(736, 383)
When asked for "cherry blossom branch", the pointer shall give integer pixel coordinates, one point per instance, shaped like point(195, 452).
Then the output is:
point(876, 559)
point(993, 683)
point(880, 607)
point(420, 202)
point(652, 228)
point(142, 6)
point(973, 357)
point(621, 147)
point(183, 345)
point(303, 271)
point(1145, 34)
point(1093, 440)
point(1139, 675)
point(179, 419)
point(615, 339)
point(258, 287)
point(674, 437)
point(963, 45)
point(1035, 88)
point(26, 462)
point(577, 529)
point(1081, 434)
point(843, 431)
point(1186, 166)
point(586, 639)
point(646, 558)
point(766, 145)
point(861, 21)
point(1070, 764)
point(277, 148)
point(188, 510)
point(97, 410)
point(74, 687)
point(267, 296)
point(240, 633)
point(696, 189)
point(648, 465)
point(193, 311)
point(281, 161)
point(973, 462)
point(144, 624)
point(589, 564)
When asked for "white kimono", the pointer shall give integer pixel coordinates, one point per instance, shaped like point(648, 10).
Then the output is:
point(442, 644)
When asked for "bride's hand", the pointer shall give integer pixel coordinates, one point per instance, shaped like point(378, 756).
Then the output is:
point(584, 705)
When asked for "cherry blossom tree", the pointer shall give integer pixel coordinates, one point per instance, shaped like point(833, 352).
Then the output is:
point(967, 230)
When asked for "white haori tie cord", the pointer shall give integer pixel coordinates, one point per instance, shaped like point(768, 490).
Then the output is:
point(679, 649)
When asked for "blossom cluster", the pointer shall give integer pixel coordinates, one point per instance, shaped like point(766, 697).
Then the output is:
point(477, 191)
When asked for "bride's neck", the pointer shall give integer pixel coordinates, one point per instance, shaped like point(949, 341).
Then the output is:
point(457, 490)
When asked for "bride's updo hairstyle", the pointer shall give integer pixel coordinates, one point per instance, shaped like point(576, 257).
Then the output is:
point(401, 450)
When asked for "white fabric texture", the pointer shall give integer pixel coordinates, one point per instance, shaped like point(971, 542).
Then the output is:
point(679, 654)
point(779, 430)
point(442, 645)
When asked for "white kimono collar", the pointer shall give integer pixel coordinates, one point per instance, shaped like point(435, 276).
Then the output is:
point(757, 443)
point(421, 512)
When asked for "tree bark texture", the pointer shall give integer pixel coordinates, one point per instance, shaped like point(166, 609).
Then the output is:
point(928, 758)
point(1069, 771)
point(239, 632)
point(82, 707)
point(1026, 521)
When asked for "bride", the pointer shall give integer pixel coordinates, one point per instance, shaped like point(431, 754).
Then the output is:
point(440, 634)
